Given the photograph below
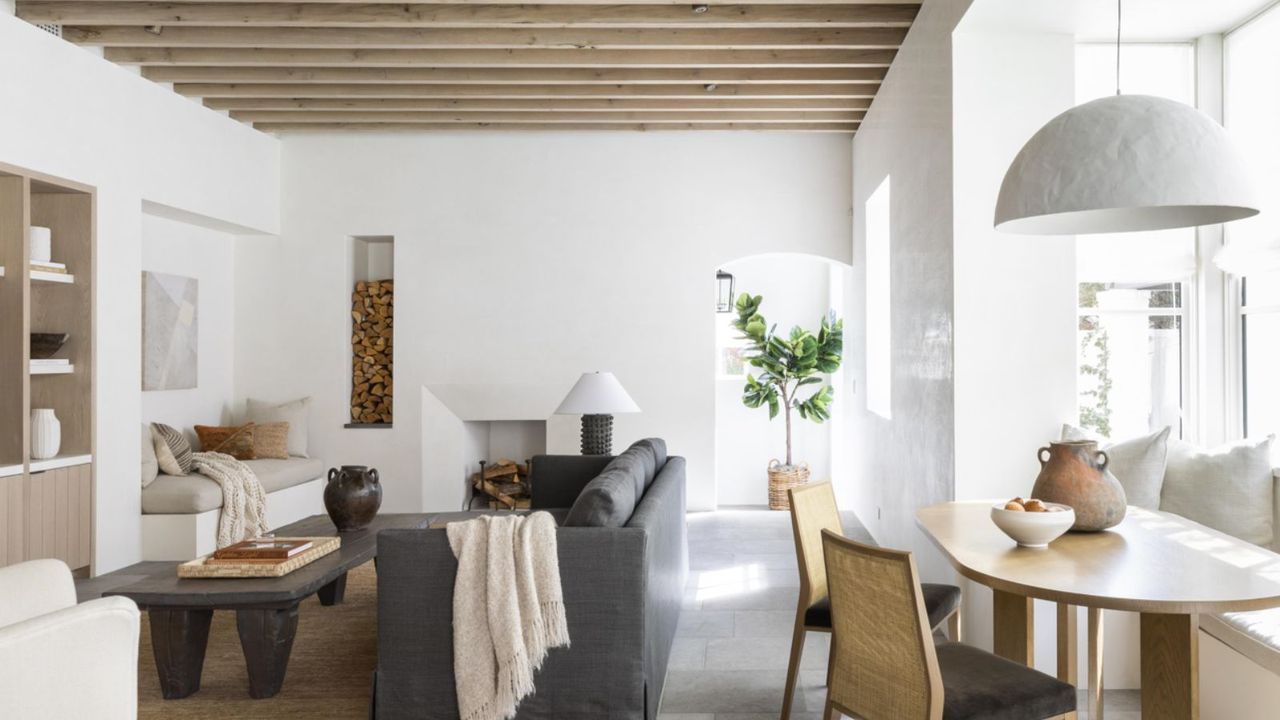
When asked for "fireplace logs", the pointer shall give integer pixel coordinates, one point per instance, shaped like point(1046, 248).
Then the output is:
point(371, 353)
point(505, 484)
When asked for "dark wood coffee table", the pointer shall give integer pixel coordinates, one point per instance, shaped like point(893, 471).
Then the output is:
point(181, 609)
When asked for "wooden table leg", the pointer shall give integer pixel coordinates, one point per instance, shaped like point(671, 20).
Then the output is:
point(1068, 660)
point(1014, 622)
point(266, 637)
point(333, 593)
point(1095, 664)
point(179, 639)
point(1170, 666)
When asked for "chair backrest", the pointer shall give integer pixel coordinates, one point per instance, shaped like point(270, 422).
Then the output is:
point(884, 663)
point(813, 509)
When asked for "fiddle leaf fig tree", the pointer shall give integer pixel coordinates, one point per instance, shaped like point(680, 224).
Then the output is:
point(788, 363)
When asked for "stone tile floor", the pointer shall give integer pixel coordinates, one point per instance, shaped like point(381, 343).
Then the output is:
point(734, 638)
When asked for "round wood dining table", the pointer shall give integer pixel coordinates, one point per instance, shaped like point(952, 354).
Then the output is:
point(1163, 566)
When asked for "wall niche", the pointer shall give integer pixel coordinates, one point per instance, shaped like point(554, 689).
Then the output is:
point(372, 331)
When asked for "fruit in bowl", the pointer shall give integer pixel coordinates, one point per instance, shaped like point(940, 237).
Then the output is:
point(1032, 523)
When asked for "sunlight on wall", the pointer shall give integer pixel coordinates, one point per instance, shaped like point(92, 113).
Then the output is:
point(879, 269)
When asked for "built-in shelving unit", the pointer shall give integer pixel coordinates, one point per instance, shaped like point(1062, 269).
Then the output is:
point(46, 506)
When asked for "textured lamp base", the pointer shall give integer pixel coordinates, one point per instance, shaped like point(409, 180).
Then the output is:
point(597, 434)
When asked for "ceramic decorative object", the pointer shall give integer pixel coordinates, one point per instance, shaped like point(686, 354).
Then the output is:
point(352, 497)
point(1075, 474)
point(46, 434)
point(46, 345)
point(41, 239)
point(1033, 529)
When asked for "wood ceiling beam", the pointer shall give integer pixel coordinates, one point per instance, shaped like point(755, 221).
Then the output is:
point(462, 38)
point(842, 128)
point(393, 116)
point(517, 76)
point(500, 92)
point(274, 57)
point(557, 105)
point(319, 14)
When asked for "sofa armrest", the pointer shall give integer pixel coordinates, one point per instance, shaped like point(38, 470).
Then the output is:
point(601, 675)
point(78, 662)
point(558, 479)
point(34, 588)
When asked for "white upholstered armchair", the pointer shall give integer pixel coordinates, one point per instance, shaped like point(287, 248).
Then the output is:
point(63, 660)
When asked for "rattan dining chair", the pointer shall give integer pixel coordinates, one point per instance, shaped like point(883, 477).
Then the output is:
point(885, 664)
point(813, 510)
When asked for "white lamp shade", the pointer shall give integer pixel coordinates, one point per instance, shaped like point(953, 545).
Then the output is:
point(597, 393)
point(1124, 163)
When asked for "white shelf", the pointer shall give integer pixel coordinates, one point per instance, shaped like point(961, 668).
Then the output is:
point(44, 276)
point(53, 369)
point(1, 271)
point(10, 470)
point(60, 461)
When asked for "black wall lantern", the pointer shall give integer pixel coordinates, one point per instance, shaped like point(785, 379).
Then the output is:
point(724, 292)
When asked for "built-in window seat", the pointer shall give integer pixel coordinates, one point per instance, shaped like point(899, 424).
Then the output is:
point(180, 513)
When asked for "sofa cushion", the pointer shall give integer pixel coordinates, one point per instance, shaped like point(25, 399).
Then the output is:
point(637, 462)
point(658, 447)
point(271, 440)
point(607, 501)
point(194, 493)
point(1256, 635)
point(1230, 489)
point(150, 465)
point(293, 412)
point(1139, 464)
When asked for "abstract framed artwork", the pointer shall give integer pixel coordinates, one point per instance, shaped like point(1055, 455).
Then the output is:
point(170, 331)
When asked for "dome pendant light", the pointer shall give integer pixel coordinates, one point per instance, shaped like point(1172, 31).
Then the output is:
point(1121, 164)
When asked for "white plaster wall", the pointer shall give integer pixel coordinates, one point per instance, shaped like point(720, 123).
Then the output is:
point(178, 248)
point(897, 466)
point(71, 114)
point(796, 292)
point(526, 259)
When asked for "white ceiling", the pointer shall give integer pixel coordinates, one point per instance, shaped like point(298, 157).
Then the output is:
point(1095, 20)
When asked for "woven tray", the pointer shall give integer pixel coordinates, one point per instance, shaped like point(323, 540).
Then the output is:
point(199, 569)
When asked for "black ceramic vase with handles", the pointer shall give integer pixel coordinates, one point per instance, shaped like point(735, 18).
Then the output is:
point(352, 496)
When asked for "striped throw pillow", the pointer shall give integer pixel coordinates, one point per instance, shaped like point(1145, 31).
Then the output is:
point(173, 452)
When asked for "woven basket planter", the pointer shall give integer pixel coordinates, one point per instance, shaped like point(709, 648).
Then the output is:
point(783, 478)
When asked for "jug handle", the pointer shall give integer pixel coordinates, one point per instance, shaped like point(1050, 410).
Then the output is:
point(373, 473)
point(1040, 456)
point(333, 474)
point(1105, 460)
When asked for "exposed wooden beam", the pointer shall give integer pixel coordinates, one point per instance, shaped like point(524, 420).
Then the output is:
point(320, 14)
point(535, 127)
point(556, 105)
point(518, 76)
point(392, 116)
point(497, 92)
point(274, 57)
point(740, 38)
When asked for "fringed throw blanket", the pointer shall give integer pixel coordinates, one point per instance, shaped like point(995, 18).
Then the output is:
point(508, 610)
point(244, 503)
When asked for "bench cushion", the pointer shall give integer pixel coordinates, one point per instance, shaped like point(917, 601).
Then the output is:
point(1256, 635)
point(189, 494)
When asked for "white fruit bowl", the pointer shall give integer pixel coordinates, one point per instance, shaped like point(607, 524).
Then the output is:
point(1033, 529)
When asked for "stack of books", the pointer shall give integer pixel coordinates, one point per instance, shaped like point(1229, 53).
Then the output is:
point(260, 550)
point(52, 267)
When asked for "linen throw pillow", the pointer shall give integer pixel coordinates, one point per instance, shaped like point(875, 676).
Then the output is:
point(293, 412)
point(236, 441)
point(271, 440)
point(150, 465)
point(1229, 488)
point(1139, 464)
point(173, 452)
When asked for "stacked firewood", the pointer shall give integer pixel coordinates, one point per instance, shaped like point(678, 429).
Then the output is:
point(505, 483)
point(371, 330)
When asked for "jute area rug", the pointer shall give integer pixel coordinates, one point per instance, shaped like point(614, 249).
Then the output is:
point(330, 671)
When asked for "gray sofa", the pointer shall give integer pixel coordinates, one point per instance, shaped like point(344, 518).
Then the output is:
point(623, 577)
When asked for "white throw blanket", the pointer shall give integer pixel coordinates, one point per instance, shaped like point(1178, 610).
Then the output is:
point(508, 610)
point(244, 503)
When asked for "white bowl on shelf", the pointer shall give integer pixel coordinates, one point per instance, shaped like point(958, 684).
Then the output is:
point(1033, 529)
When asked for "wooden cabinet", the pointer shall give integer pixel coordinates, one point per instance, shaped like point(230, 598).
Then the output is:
point(46, 505)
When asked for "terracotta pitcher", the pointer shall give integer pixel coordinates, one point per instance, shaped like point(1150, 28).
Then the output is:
point(1075, 474)
point(352, 497)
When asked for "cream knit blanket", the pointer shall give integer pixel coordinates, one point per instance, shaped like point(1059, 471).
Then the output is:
point(244, 503)
point(508, 610)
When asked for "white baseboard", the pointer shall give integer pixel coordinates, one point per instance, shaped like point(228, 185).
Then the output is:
point(184, 537)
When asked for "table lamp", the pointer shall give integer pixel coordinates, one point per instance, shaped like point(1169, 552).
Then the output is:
point(597, 396)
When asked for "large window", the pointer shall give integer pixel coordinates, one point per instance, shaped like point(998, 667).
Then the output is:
point(1133, 344)
point(1260, 342)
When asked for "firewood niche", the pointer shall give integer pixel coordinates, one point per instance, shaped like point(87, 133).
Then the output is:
point(372, 325)
point(504, 484)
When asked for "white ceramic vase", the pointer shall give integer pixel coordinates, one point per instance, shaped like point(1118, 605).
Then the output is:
point(46, 434)
point(41, 244)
